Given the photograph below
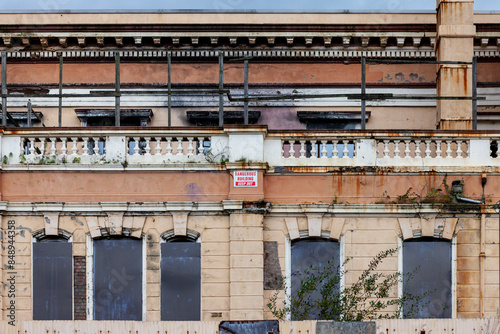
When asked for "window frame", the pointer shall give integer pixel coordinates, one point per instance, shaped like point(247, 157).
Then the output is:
point(38, 237)
point(453, 282)
point(325, 235)
point(170, 237)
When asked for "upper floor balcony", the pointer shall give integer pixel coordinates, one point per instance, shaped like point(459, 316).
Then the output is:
point(252, 147)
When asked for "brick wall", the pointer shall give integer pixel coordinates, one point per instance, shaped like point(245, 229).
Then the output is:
point(80, 286)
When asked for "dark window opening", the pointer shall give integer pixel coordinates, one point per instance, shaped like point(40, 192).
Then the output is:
point(180, 279)
point(332, 120)
point(211, 118)
point(118, 279)
point(429, 260)
point(307, 253)
point(106, 117)
point(52, 279)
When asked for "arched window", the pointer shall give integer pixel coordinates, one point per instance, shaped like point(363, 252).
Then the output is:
point(117, 279)
point(429, 259)
point(311, 252)
point(52, 278)
point(181, 278)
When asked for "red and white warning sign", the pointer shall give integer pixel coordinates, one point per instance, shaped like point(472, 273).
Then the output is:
point(245, 179)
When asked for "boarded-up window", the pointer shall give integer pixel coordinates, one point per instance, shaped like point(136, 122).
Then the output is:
point(118, 279)
point(180, 280)
point(431, 258)
point(52, 279)
point(312, 252)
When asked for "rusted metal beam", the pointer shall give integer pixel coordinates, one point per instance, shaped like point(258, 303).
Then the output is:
point(4, 89)
point(245, 103)
point(12, 120)
point(29, 114)
point(221, 87)
point(117, 89)
point(474, 93)
point(60, 88)
point(363, 92)
point(169, 58)
point(403, 61)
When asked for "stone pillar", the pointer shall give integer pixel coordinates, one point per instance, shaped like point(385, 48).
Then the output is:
point(246, 267)
point(454, 42)
point(153, 281)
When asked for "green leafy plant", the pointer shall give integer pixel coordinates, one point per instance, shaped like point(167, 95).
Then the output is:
point(367, 298)
point(76, 160)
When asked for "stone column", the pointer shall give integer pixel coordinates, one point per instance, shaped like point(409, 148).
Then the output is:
point(246, 267)
point(454, 42)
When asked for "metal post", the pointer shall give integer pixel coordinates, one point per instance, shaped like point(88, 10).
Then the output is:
point(117, 89)
point(363, 92)
point(4, 89)
point(474, 93)
point(60, 88)
point(221, 87)
point(245, 104)
point(29, 114)
point(169, 57)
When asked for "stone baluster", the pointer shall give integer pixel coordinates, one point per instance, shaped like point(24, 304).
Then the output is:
point(323, 149)
point(314, 152)
point(459, 149)
point(137, 149)
point(42, 146)
point(168, 149)
point(417, 149)
point(201, 149)
point(386, 148)
point(407, 148)
point(335, 151)
point(448, 149)
point(302, 149)
point(291, 152)
point(74, 147)
point(53, 142)
point(31, 146)
point(64, 147)
point(427, 148)
point(147, 149)
point(345, 152)
point(180, 150)
point(438, 149)
point(190, 146)
point(96, 146)
point(85, 146)
point(158, 146)
point(397, 151)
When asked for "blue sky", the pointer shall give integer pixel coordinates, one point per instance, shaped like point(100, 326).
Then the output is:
point(357, 5)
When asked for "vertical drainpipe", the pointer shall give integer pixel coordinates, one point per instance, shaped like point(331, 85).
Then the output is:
point(482, 256)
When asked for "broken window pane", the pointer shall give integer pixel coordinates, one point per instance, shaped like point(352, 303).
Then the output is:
point(180, 280)
point(52, 279)
point(432, 257)
point(118, 279)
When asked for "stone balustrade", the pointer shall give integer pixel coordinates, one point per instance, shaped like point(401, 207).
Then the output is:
point(216, 147)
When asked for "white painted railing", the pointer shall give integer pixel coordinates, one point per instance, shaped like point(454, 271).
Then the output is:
point(172, 149)
point(51, 149)
point(419, 151)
